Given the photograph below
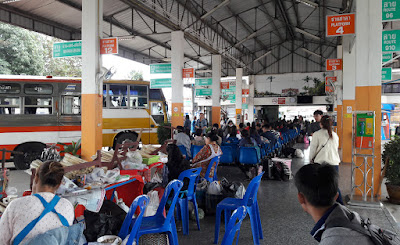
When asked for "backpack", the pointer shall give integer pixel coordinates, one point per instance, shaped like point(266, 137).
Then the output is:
point(378, 235)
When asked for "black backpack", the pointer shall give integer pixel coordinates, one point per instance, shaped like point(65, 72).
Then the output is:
point(377, 235)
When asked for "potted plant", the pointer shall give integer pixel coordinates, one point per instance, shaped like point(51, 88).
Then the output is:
point(391, 157)
point(72, 148)
point(164, 132)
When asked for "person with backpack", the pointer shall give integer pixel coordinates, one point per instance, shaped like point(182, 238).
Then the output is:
point(27, 217)
point(335, 224)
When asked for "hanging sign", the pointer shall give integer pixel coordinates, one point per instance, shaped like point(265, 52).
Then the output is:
point(161, 83)
point(161, 68)
point(67, 49)
point(244, 100)
point(339, 25)
point(109, 45)
point(329, 84)
point(386, 74)
point(245, 91)
point(390, 10)
point(387, 57)
point(224, 85)
point(245, 106)
point(204, 92)
point(281, 101)
point(203, 82)
point(391, 41)
point(334, 64)
point(188, 73)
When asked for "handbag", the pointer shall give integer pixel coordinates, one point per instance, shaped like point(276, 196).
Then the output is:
point(312, 161)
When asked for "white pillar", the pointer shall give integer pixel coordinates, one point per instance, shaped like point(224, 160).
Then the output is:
point(92, 26)
point(177, 59)
point(216, 89)
point(251, 98)
point(239, 82)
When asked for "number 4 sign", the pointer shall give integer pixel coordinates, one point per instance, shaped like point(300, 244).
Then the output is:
point(339, 25)
point(109, 46)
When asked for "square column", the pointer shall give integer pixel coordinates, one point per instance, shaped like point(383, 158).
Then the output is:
point(239, 81)
point(92, 105)
point(250, 102)
point(216, 89)
point(177, 59)
point(339, 97)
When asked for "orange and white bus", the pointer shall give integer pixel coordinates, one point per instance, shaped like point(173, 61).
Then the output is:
point(35, 111)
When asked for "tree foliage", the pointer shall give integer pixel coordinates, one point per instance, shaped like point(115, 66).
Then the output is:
point(135, 75)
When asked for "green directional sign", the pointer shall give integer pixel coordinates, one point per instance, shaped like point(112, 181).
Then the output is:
point(386, 74)
point(160, 83)
point(245, 106)
point(203, 82)
point(390, 10)
point(67, 49)
point(160, 68)
point(391, 41)
point(204, 92)
point(231, 97)
point(386, 57)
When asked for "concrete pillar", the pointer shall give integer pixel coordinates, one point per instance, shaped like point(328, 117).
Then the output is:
point(239, 78)
point(251, 98)
point(216, 89)
point(368, 70)
point(339, 97)
point(92, 106)
point(177, 56)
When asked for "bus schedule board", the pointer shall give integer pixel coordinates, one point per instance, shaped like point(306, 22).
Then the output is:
point(334, 64)
point(67, 49)
point(390, 10)
point(391, 41)
point(339, 25)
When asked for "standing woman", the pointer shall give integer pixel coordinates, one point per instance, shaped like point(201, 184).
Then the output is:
point(324, 146)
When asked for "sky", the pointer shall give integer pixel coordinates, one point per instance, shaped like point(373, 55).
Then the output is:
point(125, 66)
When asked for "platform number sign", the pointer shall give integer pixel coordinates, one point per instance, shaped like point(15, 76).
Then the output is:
point(339, 25)
point(390, 10)
point(391, 41)
point(109, 46)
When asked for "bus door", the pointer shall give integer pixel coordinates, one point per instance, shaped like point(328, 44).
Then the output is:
point(69, 111)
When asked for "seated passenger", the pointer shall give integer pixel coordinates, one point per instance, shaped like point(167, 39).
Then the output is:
point(246, 140)
point(204, 157)
point(176, 162)
point(269, 134)
point(198, 139)
point(232, 135)
point(317, 187)
point(228, 128)
point(183, 139)
point(254, 134)
point(25, 210)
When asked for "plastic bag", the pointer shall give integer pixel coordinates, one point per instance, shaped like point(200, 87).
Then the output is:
point(299, 153)
point(128, 165)
point(241, 190)
point(214, 188)
point(134, 157)
point(153, 204)
point(66, 186)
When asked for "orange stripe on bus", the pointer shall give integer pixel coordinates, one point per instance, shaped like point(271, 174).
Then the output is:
point(39, 129)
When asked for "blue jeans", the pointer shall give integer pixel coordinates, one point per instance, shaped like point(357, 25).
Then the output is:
point(339, 199)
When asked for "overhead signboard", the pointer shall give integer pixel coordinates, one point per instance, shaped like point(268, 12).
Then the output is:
point(391, 41)
point(224, 85)
point(390, 10)
point(339, 25)
point(334, 64)
point(245, 91)
point(188, 73)
point(67, 49)
point(329, 81)
point(109, 45)
point(281, 101)
point(160, 83)
point(244, 100)
point(386, 74)
point(229, 91)
point(245, 106)
point(204, 92)
point(203, 82)
point(387, 57)
point(161, 68)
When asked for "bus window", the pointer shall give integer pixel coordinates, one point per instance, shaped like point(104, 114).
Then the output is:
point(10, 105)
point(71, 105)
point(118, 96)
point(138, 96)
point(157, 112)
point(155, 94)
point(38, 105)
point(104, 96)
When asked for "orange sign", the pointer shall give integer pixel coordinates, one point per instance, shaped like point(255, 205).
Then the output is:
point(109, 46)
point(339, 25)
point(224, 85)
point(329, 84)
point(188, 73)
point(244, 100)
point(281, 101)
point(334, 64)
point(245, 91)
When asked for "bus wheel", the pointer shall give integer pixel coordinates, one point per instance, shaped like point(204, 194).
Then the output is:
point(32, 151)
point(124, 136)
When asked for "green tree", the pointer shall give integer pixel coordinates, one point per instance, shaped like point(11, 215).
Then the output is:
point(21, 51)
point(135, 75)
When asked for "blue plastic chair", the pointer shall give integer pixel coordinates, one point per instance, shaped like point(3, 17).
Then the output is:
point(234, 225)
point(184, 151)
point(196, 149)
point(186, 196)
point(158, 223)
point(131, 226)
point(227, 154)
point(250, 202)
point(248, 155)
point(215, 161)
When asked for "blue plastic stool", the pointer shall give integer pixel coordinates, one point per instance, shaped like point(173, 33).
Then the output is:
point(234, 226)
point(215, 161)
point(131, 226)
point(159, 223)
point(186, 196)
point(250, 202)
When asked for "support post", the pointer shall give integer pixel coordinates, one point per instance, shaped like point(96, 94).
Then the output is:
point(216, 89)
point(239, 81)
point(177, 59)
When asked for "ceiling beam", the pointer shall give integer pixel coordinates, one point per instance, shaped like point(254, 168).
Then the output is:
point(289, 27)
point(271, 18)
